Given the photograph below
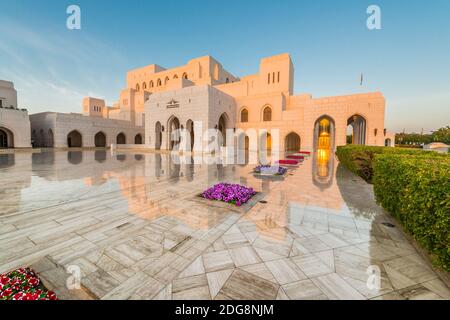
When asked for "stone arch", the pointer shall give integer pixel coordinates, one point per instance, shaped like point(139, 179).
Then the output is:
point(100, 139)
point(222, 126)
point(292, 142)
point(74, 139)
point(138, 139)
point(267, 113)
point(244, 115)
point(359, 128)
point(388, 142)
point(6, 138)
point(173, 132)
point(121, 138)
point(324, 133)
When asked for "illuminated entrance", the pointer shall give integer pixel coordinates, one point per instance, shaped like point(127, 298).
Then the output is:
point(324, 134)
point(323, 146)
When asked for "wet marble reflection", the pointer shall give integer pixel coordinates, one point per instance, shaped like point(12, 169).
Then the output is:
point(100, 155)
point(138, 230)
point(7, 160)
point(75, 157)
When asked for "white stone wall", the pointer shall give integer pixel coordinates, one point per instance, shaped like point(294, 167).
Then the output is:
point(17, 123)
point(62, 124)
point(198, 103)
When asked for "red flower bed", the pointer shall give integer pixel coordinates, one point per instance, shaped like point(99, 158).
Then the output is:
point(23, 284)
point(288, 162)
point(301, 158)
point(305, 152)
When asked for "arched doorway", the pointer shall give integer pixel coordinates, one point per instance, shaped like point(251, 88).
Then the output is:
point(158, 136)
point(74, 139)
point(324, 132)
point(121, 139)
point(356, 130)
point(190, 129)
point(292, 142)
point(100, 139)
point(174, 132)
point(222, 127)
point(6, 138)
point(388, 143)
point(50, 138)
point(138, 139)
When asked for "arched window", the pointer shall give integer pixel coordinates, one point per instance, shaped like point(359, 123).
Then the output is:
point(158, 83)
point(74, 139)
point(137, 87)
point(144, 86)
point(166, 80)
point(100, 139)
point(227, 80)
point(138, 139)
point(150, 84)
point(268, 78)
point(175, 76)
point(267, 114)
point(244, 115)
point(121, 138)
point(292, 142)
point(185, 76)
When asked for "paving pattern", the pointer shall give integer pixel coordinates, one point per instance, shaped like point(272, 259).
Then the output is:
point(136, 228)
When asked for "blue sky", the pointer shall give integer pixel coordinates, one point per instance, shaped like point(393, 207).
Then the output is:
point(408, 60)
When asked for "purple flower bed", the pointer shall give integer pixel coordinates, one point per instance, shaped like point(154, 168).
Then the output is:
point(267, 169)
point(229, 193)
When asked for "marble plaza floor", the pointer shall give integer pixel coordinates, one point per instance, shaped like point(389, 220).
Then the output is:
point(135, 227)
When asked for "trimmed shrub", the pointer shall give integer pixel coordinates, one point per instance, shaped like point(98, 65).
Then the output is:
point(415, 189)
point(359, 159)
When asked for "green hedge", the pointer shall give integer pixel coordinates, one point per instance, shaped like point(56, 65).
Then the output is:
point(415, 189)
point(359, 159)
